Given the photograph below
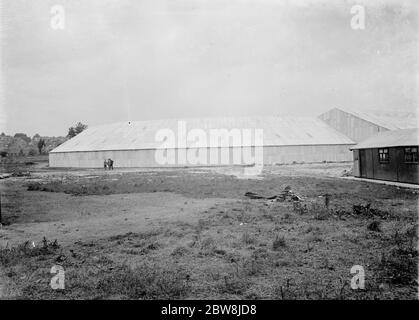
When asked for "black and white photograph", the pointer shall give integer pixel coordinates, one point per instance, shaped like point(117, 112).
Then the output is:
point(204, 155)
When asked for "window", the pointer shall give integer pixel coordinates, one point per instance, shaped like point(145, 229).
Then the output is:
point(383, 155)
point(411, 155)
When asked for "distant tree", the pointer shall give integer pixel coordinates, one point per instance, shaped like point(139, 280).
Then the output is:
point(32, 152)
point(41, 144)
point(23, 136)
point(74, 131)
point(16, 145)
point(2, 134)
point(71, 132)
point(36, 137)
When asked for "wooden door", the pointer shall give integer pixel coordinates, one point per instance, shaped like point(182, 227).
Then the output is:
point(362, 163)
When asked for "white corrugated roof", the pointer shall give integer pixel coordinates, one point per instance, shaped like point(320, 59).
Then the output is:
point(396, 138)
point(141, 134)
point(390, 119)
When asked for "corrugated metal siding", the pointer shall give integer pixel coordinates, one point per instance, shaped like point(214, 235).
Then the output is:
point(146, 158)
point(389, 120)
point(354, 127)
point(141, 135)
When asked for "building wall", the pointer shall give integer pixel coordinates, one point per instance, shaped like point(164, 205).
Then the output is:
point(235, 156)
point(353, 127)
point(408, 172)
point(367, 165)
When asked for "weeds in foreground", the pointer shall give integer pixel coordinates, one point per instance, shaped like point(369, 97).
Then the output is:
point(299, 207)
point(248, 238)
point(14, 255)
point(232, 284)
point(180, 251)
point(146, 281)
point(289, 289)
point(399, 266)
point(278, 243)
point(319, 212)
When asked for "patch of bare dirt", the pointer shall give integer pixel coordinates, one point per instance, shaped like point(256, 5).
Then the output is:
point(69, 218)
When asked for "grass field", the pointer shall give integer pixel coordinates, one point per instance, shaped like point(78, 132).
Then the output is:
point(191, 233)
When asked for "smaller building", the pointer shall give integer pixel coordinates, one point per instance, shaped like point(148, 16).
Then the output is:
point(388, 155)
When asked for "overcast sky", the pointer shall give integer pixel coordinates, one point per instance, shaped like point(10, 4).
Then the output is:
point(138, 60)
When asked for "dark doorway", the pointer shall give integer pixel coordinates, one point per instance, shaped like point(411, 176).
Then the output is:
point(362, 163)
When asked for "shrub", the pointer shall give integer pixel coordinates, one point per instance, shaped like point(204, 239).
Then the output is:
point(374, 226)
point(278, 243)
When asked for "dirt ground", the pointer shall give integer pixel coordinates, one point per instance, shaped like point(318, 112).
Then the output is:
point(192, 233)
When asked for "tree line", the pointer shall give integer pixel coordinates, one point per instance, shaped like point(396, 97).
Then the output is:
point(20, 144)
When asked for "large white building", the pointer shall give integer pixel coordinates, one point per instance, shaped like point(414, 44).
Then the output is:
point(359, 125)
point(205, 142)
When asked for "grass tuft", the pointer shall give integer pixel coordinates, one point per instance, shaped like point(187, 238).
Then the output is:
point(279, 243)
